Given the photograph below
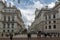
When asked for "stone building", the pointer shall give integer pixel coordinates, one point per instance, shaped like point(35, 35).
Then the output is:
point(10, 20)
point(47, 20)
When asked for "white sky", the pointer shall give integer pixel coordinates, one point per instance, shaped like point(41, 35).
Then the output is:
point(28, 14)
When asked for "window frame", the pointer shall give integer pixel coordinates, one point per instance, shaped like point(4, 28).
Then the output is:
point(49, 26)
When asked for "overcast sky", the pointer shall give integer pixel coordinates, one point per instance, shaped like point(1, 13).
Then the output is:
point(28, 7)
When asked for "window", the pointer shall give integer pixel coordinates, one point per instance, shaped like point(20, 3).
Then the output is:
point(8, 25)
point(12, 30)
point(46, 18)
point(13, 18)
point(49, 17)
point(3, 30)
point(4, 18)
point(3, 25)
point(45, 22)
point(54, 21)
point(54, 26)
point(49, 26)
point(12, 25)
point(54, 16)
point(45, 27)
point(49, 22)
point(8, 18)
point(2, 34)
point(7, 30)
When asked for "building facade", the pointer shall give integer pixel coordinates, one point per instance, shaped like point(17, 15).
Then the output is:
point(47, 20)
point(10, 20)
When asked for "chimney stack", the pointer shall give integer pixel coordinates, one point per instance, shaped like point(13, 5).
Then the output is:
point(5, 3)
point(46, 7)
point(56, 2)
point(9, 4)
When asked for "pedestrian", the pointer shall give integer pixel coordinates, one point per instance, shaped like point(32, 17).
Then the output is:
point(11, 36)
point(29, 36)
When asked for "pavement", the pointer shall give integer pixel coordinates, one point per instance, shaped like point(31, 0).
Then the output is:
point(33, 37)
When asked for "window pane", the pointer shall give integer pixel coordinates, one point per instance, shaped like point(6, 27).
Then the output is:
point(49, 22)
point(12, 30)
point(54, 16)
point(3, 30)
point(8, 25)
point(49, 17)
point(8, 18)
point(45, 22)
point(49, 26)
point(3, 25)
point(45, 27)
point(13, 18)
point(54, 26)
point(4, 18)
point(54, 21)
point(7, 30)
point(46, 18)
point(12, 25)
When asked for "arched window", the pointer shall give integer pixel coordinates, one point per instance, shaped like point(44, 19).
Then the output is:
point(8, 25)
point(54, 16)
point(4, 25)
point(3, 30)
point(54, 21)
point(49, 22)
point(7, 30)
point(45, 27)
point(12, 18)
point(49, 26)
point(8, 18)
point(49, 17)
point(4, 18)
point(54, 26)
point(45, 17)
point(12, 25)
point(12, 30)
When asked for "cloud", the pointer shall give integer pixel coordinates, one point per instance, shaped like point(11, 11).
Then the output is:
point(38, 5)
point(27, 8)
point(28, 14)
point(51, 5)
